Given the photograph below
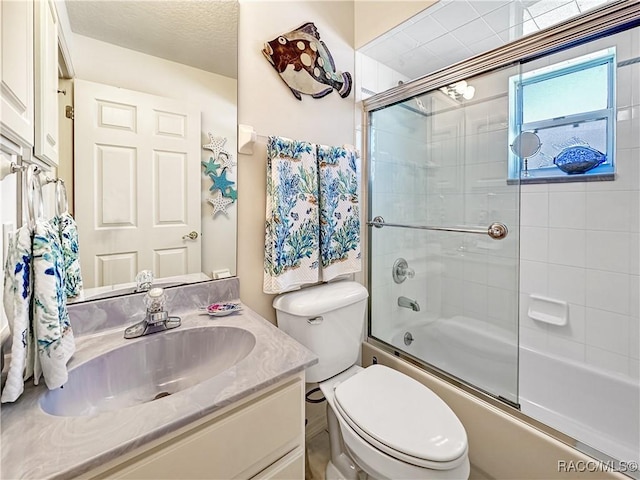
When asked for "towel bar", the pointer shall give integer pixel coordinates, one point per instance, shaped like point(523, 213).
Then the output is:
point(496, 230)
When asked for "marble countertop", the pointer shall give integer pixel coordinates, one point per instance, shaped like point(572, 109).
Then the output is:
point(36, 445)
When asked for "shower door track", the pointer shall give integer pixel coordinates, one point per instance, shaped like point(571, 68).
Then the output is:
point(596, 23)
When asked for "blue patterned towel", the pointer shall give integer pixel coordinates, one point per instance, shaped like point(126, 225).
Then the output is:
point(68, 230)
point(54, 337)
point(291, 227)
point(17, 300)
point(339, 212)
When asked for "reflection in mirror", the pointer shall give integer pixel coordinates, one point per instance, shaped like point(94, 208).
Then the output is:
point(152, 81)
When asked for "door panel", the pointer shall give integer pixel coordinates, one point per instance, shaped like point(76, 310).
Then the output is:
point(137, 181)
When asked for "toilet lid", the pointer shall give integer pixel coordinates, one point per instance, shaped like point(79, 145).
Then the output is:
point(401, 415)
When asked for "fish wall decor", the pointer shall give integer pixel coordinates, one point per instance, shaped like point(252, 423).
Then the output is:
point(305, 63)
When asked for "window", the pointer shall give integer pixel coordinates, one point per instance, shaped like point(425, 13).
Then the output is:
point(562, 120)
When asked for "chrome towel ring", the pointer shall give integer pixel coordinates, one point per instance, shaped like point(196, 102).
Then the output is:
point(33, 195)
point(62, 204)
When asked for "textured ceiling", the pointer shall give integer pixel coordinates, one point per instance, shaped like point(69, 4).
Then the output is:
point(199, 33)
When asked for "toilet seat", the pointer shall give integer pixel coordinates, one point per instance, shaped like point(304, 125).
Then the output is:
point(380, 466)
point(387, 409)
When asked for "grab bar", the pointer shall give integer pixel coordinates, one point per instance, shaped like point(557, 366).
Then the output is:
point(496, 230)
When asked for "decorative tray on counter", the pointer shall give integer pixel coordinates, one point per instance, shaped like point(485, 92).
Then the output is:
point(221, 309)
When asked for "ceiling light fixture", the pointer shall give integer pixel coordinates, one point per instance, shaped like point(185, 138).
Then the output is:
point(459, 90)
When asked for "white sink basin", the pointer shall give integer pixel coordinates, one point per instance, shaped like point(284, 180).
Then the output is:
point(148, 369)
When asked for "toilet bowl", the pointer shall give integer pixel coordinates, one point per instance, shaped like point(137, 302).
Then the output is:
point(381, 421)
point(393, 427)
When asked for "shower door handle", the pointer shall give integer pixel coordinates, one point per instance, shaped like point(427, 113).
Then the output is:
point(496, 230)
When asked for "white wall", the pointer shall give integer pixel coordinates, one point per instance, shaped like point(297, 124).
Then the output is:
point(267, 104)
point(214, 96)
point(580, 242)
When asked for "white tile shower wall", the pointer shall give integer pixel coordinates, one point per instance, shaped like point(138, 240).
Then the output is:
point(398, 175)
point(370, 76)
point(469, 188)
point(374, 76)
point(444, 169)
point(580, 242)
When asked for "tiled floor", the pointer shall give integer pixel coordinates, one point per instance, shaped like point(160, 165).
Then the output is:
point(317, 455)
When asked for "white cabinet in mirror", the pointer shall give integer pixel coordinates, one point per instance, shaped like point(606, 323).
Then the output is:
point(143, 104)
point(46, 81)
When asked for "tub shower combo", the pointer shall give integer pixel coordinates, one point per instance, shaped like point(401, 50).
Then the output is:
point(446, 199)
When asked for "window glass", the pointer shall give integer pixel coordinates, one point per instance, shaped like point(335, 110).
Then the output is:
point(565, 114)
point(568, 94)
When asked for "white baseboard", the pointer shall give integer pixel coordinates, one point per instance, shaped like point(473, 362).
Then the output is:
point(315, 426)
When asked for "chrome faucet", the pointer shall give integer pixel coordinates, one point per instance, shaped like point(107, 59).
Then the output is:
point(401, 271)
point(157, 319)
point(408, 303)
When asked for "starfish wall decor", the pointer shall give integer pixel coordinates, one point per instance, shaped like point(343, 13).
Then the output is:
point(220, 165)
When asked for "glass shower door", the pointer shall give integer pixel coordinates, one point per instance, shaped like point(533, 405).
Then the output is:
point(443, 290)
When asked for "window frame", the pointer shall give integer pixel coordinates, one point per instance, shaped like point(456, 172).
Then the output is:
point(605, 171)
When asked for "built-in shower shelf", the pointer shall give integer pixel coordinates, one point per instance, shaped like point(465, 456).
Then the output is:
point(548, 310)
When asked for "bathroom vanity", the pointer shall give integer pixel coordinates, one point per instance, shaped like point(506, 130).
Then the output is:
point(260, 437)
point(243, 419)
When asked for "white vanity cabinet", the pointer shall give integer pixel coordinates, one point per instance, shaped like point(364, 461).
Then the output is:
point(16, 55)
point(29, 78)
point(260, 437)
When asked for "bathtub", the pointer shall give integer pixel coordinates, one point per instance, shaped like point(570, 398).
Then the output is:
point(599, 409)
point(473, 351)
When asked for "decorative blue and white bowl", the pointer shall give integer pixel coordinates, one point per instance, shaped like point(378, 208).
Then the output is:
point(578, 159)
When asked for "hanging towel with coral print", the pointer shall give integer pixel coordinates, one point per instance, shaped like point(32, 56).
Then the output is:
point(291, 227)
point(339, 212)
point(68, 230)
point(54, 337)
point(17, 299)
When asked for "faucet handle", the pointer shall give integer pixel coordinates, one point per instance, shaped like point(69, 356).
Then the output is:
point(157, 318)
point(401, 271)
point(409, 272)
point(144, 280)
point(155, 300)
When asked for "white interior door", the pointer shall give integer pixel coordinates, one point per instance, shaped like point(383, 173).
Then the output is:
point(137, 184)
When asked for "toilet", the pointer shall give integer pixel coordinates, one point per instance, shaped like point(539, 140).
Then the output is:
point(381, 422)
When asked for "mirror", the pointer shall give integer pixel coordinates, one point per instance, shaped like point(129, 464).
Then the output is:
point(183, 52)
point(524, 146)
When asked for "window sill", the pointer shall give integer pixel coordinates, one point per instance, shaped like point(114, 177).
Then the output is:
point(598, 177)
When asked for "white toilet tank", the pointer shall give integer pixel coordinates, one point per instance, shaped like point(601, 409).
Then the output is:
point(329, 320)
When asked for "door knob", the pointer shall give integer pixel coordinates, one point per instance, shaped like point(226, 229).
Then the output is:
point(191, 236)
